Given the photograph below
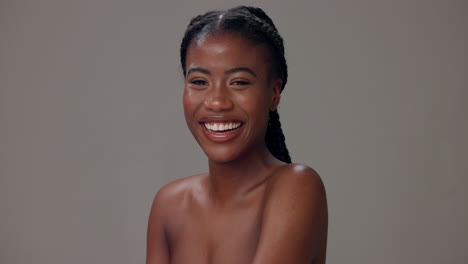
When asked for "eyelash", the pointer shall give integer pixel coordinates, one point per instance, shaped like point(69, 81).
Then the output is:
point(203, 83)
point(198, 82)
point(240, 83)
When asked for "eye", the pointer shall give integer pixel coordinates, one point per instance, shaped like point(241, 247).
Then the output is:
point(198, 82)
point(240, 84)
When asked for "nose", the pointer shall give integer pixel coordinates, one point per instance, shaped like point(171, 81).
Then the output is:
point(218, 99)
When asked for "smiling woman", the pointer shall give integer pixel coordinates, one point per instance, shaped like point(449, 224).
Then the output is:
point(223, 87)
point(253, 205)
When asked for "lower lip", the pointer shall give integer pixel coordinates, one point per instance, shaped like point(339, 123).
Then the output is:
point(221, 137)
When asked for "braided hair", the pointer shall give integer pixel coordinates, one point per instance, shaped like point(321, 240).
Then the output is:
point(255, 25)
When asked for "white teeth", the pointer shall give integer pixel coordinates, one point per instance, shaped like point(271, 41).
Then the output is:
point(222, 126)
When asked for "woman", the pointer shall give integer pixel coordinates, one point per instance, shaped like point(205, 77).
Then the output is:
point(254, 205)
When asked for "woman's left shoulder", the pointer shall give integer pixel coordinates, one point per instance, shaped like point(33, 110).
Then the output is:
point(295, 217)
point(295, 175)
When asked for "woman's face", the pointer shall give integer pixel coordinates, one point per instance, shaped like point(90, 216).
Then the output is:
point(228, 95)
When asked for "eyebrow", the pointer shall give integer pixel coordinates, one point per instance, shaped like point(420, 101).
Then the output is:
point(198, 69)
point(240, 69)
point(230, 71)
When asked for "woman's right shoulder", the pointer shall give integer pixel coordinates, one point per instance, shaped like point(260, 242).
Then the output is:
point(174, 194)
point(169, 206)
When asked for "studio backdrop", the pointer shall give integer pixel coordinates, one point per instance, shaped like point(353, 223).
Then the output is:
point(91, 123)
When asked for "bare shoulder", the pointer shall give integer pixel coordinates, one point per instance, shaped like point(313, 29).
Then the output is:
point(170, 202)
point(166, 207)
point(298, 179)
point(297, 187)
point(172, 195)
point(295, 217)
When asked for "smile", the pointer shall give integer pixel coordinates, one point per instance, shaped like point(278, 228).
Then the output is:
point(222, 127)
point(222, 131)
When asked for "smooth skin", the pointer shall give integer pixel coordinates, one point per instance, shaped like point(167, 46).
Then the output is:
point(250, 208)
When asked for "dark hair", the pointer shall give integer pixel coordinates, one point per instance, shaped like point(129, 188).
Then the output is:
point(255, 25)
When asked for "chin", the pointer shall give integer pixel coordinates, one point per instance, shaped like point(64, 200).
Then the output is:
point(222, 154)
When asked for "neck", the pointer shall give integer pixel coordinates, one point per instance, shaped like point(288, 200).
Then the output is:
point(233, 180)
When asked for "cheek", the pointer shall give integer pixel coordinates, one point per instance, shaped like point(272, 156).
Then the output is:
point(186, 102)
point(190, 105)
point(257, 108)
point(190, 101)
point(257, 105)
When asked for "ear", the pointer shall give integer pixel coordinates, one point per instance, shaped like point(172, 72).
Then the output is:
point(276, 85)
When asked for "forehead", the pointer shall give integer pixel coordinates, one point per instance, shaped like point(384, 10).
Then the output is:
point(227, 50)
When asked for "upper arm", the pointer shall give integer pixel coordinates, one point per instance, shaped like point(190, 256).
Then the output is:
point(295, 219)
point(157, 248)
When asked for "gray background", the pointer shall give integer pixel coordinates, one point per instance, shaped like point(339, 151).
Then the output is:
point(91, 124)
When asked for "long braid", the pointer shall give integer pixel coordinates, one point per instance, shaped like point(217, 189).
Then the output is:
point(255, 25)
point(274, 137)
point(275, 140)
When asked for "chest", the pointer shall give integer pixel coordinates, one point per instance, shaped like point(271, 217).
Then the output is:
point(204, 234)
